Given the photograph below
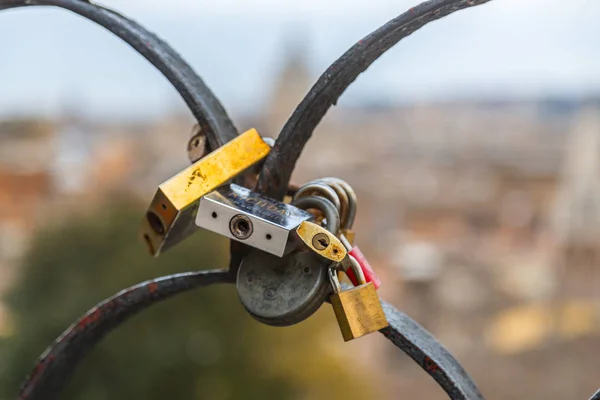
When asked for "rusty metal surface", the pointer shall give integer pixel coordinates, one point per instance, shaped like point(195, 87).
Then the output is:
point(55, 366)
point(282, 291)
point(426, 351)
point(279, 165)
point(171, 216)
point(205, 106)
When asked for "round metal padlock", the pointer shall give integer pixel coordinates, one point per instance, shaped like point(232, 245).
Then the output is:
point(282, 291)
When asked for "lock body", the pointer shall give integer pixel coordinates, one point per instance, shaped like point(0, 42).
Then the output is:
point(321, 241)
point(172, 212)
point(358, 311)
point(282, 291)
point(245, 216)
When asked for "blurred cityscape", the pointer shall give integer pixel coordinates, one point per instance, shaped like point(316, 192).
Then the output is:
point(481, 217)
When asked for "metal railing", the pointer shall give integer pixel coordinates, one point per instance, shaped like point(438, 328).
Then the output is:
point(58, 362)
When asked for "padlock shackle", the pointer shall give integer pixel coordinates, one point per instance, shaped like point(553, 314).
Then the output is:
point(346, 242)
point(345, 205)
point(57, 363)
point(323, 189)
point(358, 272)
point(333, 278)
point(352, 200)
point(339, 192)
point(325, 206)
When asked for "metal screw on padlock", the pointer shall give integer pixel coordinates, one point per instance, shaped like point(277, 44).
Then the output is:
point(197, 145)
point(358, 310)
point(245, 216)
point(172, 212)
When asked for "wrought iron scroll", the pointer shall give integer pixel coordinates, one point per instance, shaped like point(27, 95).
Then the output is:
point(56, 365)
point(280, 163)
point(426, 351)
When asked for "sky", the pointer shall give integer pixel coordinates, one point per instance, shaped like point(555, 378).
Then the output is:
point(505, 48)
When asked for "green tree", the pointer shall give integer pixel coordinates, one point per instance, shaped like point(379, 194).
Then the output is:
point(200, 344)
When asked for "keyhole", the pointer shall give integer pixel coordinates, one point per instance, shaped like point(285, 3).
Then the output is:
point(320, 241)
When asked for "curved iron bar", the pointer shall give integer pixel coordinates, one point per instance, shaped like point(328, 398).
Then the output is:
point(426, 351)
point(60, 359)
point(278, 167)
point(205, 106)
point(58, 362)
point(55, 366)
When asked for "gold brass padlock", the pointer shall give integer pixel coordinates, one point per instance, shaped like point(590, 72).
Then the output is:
point(357, 310)
point(172, 212)
point(321, 241)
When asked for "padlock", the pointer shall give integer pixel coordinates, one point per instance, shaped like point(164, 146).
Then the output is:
point(245, 216)
point(321, 241)
point(358, 310)
point(172, 212)
point(317, 238)
point(282, 291)
point(343, 197)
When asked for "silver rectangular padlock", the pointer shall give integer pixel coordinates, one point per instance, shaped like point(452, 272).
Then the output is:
point(240, 214)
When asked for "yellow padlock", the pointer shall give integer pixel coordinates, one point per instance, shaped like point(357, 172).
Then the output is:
point(172, 212)
point(357, 310)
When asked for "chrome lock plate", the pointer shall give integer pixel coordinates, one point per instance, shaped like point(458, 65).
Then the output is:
point(245, 216)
